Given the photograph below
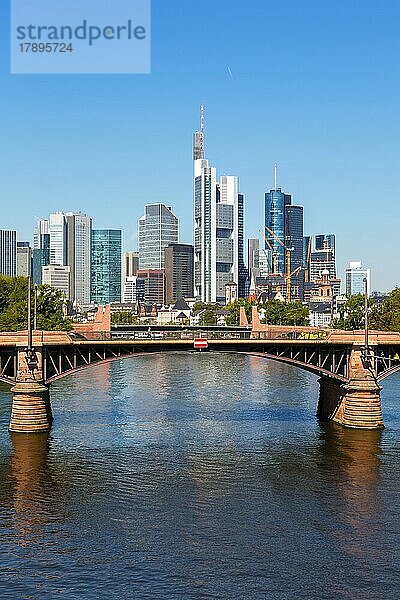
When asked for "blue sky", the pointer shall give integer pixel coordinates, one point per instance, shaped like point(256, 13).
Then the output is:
point(313, 85)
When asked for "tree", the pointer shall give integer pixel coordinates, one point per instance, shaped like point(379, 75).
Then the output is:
point(282, 313)
point(386, 316)
point(208, 317)
point(234, 310)
point(14, 306)
point(352, 313)
point(124, 318)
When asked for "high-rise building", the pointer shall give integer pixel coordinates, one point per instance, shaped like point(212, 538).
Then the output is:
point(323, 256)
point(57, 276)
point(264, 261)
point(129, 294)
point(218, 228)
point(70, 245)
point(326, 241)
point(321, 260)
point(306, 256)
point(150, 286)
point(157, 228)
point(8, 252)
point(294, 235)
point(284, 236)
point(253, 246)
point(79, 236)
point(178, 272)
point(41, 250)
point(275, 209)
point(42, 228)
point(355, 275)
point(106, 266)
point(24, 259)
point(58, 239)
point(130, 264)
point(40, 257)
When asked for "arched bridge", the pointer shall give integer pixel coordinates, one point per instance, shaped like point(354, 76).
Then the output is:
point(349, 372)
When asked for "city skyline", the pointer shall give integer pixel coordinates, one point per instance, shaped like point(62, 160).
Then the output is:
point(76, 143)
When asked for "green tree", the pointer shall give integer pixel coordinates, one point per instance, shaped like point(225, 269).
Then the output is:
point(282, 313)
point(14, 306)
point(124, 318)
point(386, 316)
point(208, 317)
point(234, 310)
point(352, 313)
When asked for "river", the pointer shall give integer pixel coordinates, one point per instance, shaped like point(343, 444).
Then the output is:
point(191, 476)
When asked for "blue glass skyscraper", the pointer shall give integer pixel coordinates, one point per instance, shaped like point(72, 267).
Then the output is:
point(106, 266)
point(275, 203)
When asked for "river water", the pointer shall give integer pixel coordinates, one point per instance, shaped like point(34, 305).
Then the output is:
point(181, 476)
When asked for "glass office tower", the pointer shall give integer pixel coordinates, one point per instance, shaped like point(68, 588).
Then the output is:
point(157, 229)
point(106, 266)
point(8, 252)
point(275, 203)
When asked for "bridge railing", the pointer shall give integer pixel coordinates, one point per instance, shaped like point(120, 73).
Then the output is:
point(221, 335)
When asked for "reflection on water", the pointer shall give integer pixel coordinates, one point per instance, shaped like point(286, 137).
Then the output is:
point(198, 476)
point(30, 478)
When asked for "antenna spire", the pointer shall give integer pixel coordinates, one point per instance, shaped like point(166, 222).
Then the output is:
point(202, 131)
point(275, 175)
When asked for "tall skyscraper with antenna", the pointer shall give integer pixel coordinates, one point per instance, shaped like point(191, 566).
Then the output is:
point(275, 203)
point(285, 220)
point(218, 227)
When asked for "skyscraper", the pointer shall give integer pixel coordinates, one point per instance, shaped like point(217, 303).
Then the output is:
point(178, 272)
point(275, 204)
point(58, 239)
point(8, 252)
point(24, 259)
point(150, 286)
point(294, 234)
point(79, 235)
point(106, 266)
point(41, 249)
point(218, 228)
point(70, 245)
point(355, 275)
point(253, 246)
point(57, 276)
point(130, 264)
point(157, 228)
point(326, 241)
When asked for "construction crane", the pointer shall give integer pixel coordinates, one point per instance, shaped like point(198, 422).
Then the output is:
point(273, 252)
point(307, 265)
point(288, 252)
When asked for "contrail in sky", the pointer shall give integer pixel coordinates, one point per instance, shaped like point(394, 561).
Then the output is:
point(229, 71)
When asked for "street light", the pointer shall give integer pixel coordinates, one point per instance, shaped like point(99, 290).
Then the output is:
point(35, 308)
point(31, 358)
point(29, 315)
point(365, 280)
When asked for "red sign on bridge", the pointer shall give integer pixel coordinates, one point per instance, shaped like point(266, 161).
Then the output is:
point(200, 343)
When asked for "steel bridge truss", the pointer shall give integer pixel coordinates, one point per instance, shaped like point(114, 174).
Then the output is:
point(59, 361)
point(322, 359)
point(326, 360)
point(385, 360)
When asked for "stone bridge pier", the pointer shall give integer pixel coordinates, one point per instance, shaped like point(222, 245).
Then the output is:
point(31, 410)
point(355, 404)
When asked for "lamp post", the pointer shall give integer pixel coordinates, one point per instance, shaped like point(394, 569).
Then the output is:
point(35, 308)
point(31, 358)
point(29, 315)
point(365, 280)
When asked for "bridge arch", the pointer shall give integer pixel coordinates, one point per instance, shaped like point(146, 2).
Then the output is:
point(388, 372)
point(64, 364)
